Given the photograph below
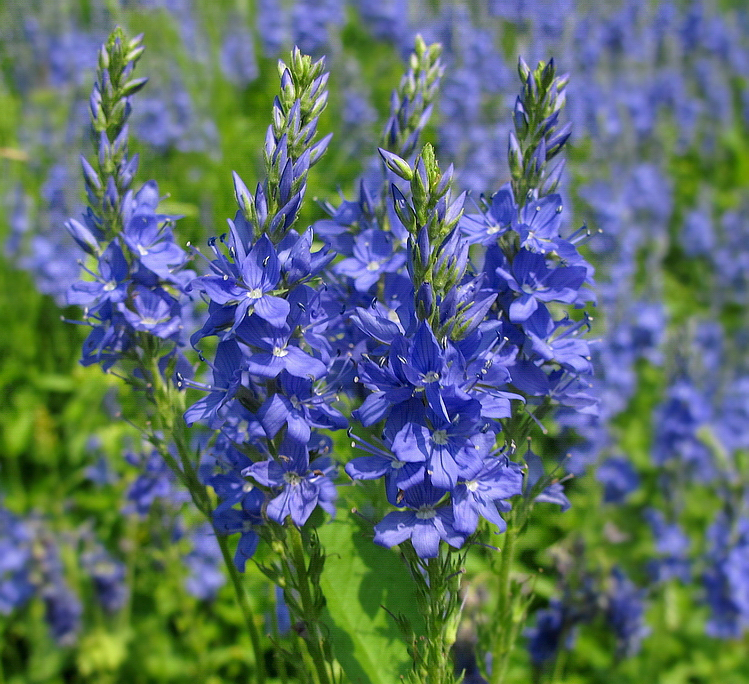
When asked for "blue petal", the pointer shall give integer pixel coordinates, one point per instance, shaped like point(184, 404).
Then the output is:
point(372, 409)
point(303, 365)
point(444, 470)
point(220, 290)
point(411, 443)
point(394, 528)
point(268, 473)
point(378, 327)
point(426, 539)
point(367, 467)
point(272, 309)
point(246, 548)
point(489, 511)
point(273, 414)
point(265, 364)
point(279, 508)
point(522, 308)
point(464, 510)
point(261, 267)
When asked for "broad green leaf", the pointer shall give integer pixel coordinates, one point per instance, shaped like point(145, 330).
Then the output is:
point(359, 578)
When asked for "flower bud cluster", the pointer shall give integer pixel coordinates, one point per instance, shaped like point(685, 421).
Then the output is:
point(437, 254)
point(537, 137)
point(412, 102)
point(290, 149)
point(112, 172)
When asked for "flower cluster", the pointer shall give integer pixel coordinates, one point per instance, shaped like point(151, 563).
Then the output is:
point(725, 577)
point(456, 340)
point(32, 568)
point(266, 308)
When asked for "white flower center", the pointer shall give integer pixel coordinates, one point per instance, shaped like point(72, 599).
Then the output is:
point(426, 513)
point(397, 465)
point(431, 376)
point(292, 478)
point(472, 485)
point(247, 487)
point(494, 228)
point(373, 265)
point(439, 437)
point(280, 351)
point(109, 286)
point(257, 293)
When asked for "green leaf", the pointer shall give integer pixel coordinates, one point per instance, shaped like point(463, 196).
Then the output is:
point(359, 578)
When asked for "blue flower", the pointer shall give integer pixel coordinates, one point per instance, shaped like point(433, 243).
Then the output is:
point(303, 485)
point(399, 475)
point(424, 362)
point(374, 254)
point(300, 406)
point(388, 386)
point(108, 575)
point(233, 488)
point(626, 613)
point(725, 578)
point(452, 442)
point(213, 408)
point(487, 227)
point(15, 562)
point(619, 479)
point(672, 545)
point(538, 224)
point(559, 341)
point(533, 282)
point(156, 481)
point(425, 524)
point(545, 637)
point(62, 611)
point(271, 351)
point(204, 563)
point(258, 274)
point(149, 236)
point(110, 285)
point(237, 56)
point(484, 493)
point(228, 520)
point(154, 311)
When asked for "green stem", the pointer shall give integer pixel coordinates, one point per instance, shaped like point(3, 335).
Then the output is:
point(505, 641)
point(559, 664)
point(2, 671)
point(169, 404)
point(315, 639)
point(437, 653)
point(244, 605)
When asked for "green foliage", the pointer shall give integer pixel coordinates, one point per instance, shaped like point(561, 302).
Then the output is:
point(368, 590)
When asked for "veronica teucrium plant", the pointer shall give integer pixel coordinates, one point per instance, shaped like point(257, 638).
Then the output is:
point(462, 363)
point(273, 362)
point(451, 336)
point(133, 285)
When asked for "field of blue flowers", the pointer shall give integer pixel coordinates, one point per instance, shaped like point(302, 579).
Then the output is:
point(495, 254)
